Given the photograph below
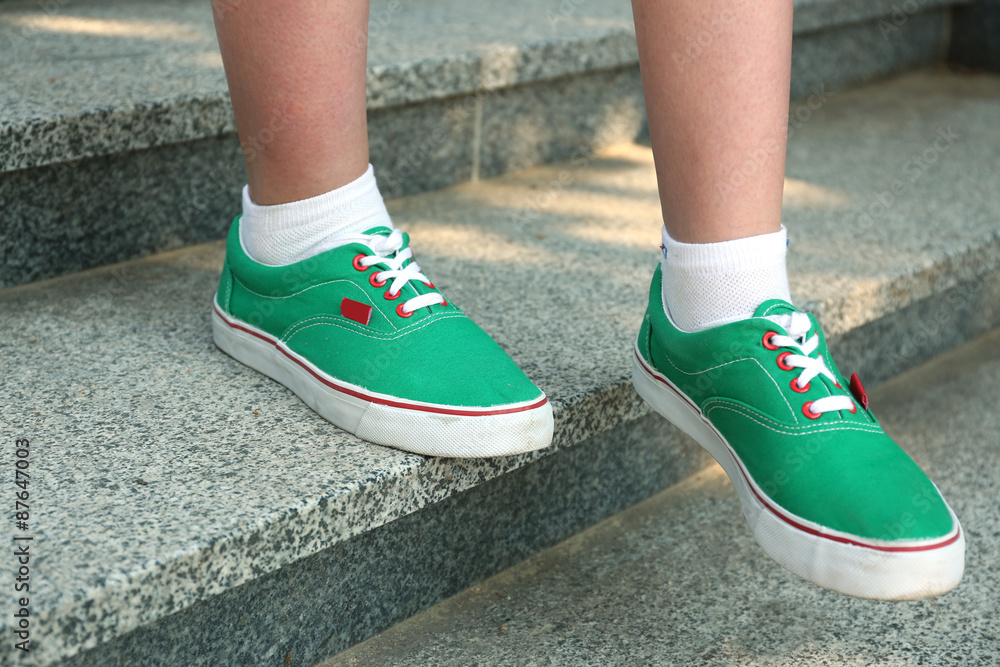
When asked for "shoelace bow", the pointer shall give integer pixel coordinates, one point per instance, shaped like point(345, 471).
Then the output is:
point(797, 326)
point(387, 251)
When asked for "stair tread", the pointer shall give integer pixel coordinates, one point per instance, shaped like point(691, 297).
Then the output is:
point(678, 578)
point(95, 77)
point(113, 375)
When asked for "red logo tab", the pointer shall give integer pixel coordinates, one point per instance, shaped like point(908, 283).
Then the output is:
point(353, 310)
point(859, 391)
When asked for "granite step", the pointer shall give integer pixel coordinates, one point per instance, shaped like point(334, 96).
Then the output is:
point(679, 580)
point(190, 511)
point(117, 139)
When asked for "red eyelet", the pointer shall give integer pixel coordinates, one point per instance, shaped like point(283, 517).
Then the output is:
point(807, 410)
point(796, 387)
point(430, 284)
point(445, 302)
point(781, 362)
point(854, 408)
point(390, 296)
point(401, 312)
point(376, 283)
point(359, 267)
point(767, 340)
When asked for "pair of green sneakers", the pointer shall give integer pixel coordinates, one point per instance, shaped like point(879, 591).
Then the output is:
point(366, 340)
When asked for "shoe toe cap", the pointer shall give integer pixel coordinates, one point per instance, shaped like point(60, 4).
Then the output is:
point(859, 483)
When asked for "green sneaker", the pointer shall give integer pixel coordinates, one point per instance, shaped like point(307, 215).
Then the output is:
point(826, 492)
point(368, 342)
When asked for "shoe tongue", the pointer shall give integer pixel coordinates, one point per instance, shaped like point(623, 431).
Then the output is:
point(775, 307)
point(795, 323)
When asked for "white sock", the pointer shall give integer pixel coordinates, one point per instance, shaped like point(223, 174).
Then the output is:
point(287, 233)
point(706, 285)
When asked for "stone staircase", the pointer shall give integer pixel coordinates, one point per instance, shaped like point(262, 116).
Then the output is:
point(190, 511)
point(117, 140)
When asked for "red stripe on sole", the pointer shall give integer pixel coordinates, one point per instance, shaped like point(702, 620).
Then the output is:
point(377, 399)
point(773, 510)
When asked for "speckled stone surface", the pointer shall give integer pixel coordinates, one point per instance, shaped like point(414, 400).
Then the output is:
point(322, 604)
point(75, 215)
point(456, 92)
point(540, 123)
point(811, 15)
point(71, 216)
point(679, 580)
point(113, 376)
point(924, 329)
point(857, 53)
point(92, 77)
point(895, 175)
point(99, 76)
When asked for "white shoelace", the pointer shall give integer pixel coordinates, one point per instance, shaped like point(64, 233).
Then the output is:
point(386, 251)
point(797, 326)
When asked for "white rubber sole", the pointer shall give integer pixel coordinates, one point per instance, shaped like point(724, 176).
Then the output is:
point(844, 563)
point(421, 428)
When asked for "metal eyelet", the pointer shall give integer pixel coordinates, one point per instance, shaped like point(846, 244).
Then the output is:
point(357, 264)
point(807, 411)
point(781, 361)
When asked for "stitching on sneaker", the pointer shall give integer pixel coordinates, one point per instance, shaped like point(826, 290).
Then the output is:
point(289, 296)
point(373, 303)
point(334, 322)
point(759, 365)
point(399, 331)
point(785, 430)
point(769, 308)
point(228, 286)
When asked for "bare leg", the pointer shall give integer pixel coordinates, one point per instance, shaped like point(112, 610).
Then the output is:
point(716, 75)
point(296, 73)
